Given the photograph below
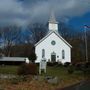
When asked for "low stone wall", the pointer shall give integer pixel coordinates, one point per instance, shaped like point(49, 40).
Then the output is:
point(7, 76)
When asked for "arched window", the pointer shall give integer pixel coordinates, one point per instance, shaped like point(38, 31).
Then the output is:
point(43, 53)
point(63, 54)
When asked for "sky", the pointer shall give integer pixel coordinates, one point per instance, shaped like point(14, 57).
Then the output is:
point(21, 12)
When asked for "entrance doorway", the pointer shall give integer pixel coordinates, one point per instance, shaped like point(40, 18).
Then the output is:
point(53, 57)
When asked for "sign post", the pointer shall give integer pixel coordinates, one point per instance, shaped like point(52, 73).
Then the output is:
point(42, 65)
point(86, 47)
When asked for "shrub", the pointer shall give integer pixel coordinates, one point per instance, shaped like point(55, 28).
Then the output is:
point(26, 69)
point(87, 64)
point(70, 69)
point(59, 64)
point(32, 57)
point(79, 66)
point(18, 79)
point(52, 63)
point(86, 68)
point(66, 64)
point(15, 80)
point(86, 71)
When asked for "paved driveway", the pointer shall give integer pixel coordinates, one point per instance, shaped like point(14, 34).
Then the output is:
point(81, 86)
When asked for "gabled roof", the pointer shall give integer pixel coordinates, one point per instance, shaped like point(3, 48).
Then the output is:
point(49, 33)
point(21, 59)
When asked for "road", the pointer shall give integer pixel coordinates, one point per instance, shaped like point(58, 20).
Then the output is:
point(85, 85)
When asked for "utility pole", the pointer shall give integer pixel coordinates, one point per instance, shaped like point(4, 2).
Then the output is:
point(86, 47)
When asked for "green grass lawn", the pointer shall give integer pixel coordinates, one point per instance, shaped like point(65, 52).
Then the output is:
point(64, 77)
point(60, 72)
point(51, 70)
point(8, 69)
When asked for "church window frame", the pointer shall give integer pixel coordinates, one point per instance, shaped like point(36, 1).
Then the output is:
point(63, 54)
point(53, 42)
point(43, 53)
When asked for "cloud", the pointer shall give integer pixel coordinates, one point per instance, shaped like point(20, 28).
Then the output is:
point(24, 11)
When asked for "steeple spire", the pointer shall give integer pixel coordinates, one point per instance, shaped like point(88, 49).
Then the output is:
point(52, 18)
point(53, 24)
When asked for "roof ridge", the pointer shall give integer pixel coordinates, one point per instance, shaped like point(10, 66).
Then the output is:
point(49, 33)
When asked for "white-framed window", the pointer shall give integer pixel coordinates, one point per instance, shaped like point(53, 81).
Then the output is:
point(43, 53)
point(63, 54)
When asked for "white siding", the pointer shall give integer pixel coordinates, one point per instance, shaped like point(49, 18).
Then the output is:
point(53, 26)
point(57, 48)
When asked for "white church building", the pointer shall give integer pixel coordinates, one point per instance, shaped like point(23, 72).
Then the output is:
point(53, 47)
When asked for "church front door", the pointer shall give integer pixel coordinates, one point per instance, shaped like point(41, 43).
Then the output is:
point(53, 57)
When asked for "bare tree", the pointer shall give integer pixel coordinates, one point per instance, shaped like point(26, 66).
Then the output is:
point(38, 31)
point(9, 35)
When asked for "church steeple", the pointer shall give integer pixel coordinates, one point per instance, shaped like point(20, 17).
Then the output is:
point(52, 18)
point(53, 24)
